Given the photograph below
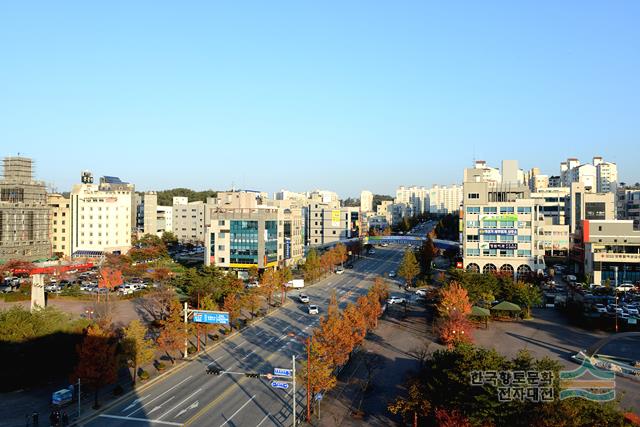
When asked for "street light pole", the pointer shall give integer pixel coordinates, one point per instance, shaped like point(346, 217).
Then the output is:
point(293, 363)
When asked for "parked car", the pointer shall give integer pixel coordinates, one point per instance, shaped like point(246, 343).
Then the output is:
point(384, 245)
point(372, 252)
point(392, 273)
point(421, 292)
point(625, 287)
point(340, 270)
point(254, 284)
point(396, 300)
point(633, 311)
point(313, 309)
point(600, 308)
point(303, 299)
point(349, 265)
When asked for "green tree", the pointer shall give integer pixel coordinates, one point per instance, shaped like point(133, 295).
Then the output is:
point(169, 238)
point(527, 295)
point(412, 407)
point(427, 253)
point(409, 267)
point(136, 348)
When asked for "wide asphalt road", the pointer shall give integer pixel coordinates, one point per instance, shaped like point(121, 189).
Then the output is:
point(190, 397)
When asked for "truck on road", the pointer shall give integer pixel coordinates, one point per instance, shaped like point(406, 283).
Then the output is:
point(295, 283)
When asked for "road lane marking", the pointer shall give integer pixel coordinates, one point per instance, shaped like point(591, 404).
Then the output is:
point(159, 396)
point(134, 403)
point(118, 417)
point(189, 397)
point(248, 354)
point(161, 405)
point(235, 413)
point(265, 417)
point(269, 340)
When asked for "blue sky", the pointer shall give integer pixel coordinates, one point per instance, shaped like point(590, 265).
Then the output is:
point(341, 95)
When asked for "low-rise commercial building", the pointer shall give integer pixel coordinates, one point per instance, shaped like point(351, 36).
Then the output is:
point(612, 251)
point(628, 203)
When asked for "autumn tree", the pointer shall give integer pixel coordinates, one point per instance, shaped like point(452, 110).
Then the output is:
point(427, 253)
point(454, 329)
point(173, 332)
point(251, 300)
point(317, 371)
point(109, 279)
point(312, 265)
point(253, 273)
point(380, 289)
point(206, 303)
point(332, 335)
point(369, 307)
point(409, 267)
point(97, 362)
point(157, 303)
point(454, 298)
point(269, 283)
point(453, 418)
point(284, 276)
point(355, 324)
point(232, 305)
point(169, 238)
point(136, 348)
point(412, 407)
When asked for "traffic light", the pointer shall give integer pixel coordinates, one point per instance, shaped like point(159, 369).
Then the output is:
point(214, 371)
point(251, 375)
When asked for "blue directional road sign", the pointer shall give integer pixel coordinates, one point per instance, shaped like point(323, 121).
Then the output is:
point(319, 396)
point(282, 372)
point(280, 384)
point(216, 317)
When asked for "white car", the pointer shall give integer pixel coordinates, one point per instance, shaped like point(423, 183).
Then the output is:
point(254, 284)
point(396, 300)
point(392, 273)
point(633, 311)
point(600, 308)
point(313, 309)
point(625, 287)
point(339, 270)
point(303, 299)
point(384, 245)
point(421, 292)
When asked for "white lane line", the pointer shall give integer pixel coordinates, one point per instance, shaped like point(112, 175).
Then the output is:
point(134, 403)
point(269, 340)
point(161, 405)
point(265, 417)
point(282, 337)
point(118, 417)
point(247, 355)
point(159, 396)
point(189, 397)
point(235, 413)
point(260, 333)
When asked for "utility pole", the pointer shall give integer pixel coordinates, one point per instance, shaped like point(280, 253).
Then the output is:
point(293, 363)
point(308, 380)
point(79, 397)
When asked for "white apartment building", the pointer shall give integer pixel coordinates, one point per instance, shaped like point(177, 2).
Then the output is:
point(486, 173)
point(445, 200)
point(416, 198)
point(101, 216)
point(601, 176)
point(164, 219)
point(289, 195)
point(366, 201)
point(188, 220)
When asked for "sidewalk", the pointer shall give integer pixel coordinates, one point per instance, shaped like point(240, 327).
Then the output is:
point(375, 375)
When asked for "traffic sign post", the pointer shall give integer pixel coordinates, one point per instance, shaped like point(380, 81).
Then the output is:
point(280, 372)
point(211, 317)
point(280, 384)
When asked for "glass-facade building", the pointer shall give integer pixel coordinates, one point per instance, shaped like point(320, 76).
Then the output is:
point(271, 241)
point(244, 242)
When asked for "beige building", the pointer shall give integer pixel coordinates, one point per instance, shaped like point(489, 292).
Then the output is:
point(611, 251)
point(60, 224)
point(445, 200)
point(164, 219)
point(146, 213)
point(24, 213)
point(366, 201)
point(188, 220)
point(101, 216)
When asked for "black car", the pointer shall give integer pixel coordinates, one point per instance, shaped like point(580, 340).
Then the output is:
point(349, 265)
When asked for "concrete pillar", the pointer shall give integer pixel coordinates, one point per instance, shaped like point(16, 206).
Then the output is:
point(37, 292)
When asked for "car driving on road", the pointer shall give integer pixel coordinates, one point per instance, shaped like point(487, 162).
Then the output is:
point(303, 299)
point(396, 300)
point(313, 309)
point(392, 273)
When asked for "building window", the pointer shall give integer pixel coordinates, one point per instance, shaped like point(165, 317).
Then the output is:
point(473, 252)
point(524, 239)
point(490, 210)
point(473, 196)
point(506, 210)
point(473, 238)
point(524, 209)
point(473, 209)
point(221, 260)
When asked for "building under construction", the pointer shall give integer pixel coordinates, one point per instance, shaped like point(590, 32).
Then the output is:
point(24, 213)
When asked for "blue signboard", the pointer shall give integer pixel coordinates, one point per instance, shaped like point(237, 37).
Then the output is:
point(215, 317)
point(499, 231)
point(282, 372)
point(287, 248)
point(280, 384)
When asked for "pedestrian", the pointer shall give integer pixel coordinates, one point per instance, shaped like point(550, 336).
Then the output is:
point(34, 418)
point(65, 418)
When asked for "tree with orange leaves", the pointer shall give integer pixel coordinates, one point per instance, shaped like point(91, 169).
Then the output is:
point(369, 306)
point(173, 332)
point(269, 283)
point(109, 279)
point(455, 329)
point(332, 335)
point(454, 298)
point(97, 362)
point(355, 325)
point(232, 304)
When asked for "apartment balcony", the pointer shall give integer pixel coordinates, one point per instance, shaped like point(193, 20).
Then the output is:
point(615, 257)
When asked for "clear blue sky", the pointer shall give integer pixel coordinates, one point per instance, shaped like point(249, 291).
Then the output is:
point(341, 95)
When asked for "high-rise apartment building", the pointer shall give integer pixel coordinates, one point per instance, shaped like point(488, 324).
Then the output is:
point(101, 216)
point(60, 224)
point(416, 198)
point(164, 219)
point(366, 201)
point(146, 212)
point(24, 213)
point(445, 200)
point(600, 176)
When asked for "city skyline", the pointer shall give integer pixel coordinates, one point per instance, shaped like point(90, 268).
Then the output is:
point(331, 95)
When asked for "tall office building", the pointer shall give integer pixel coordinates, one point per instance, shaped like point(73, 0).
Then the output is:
point(366, 201)
point(24, 213)
point(101, 216)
